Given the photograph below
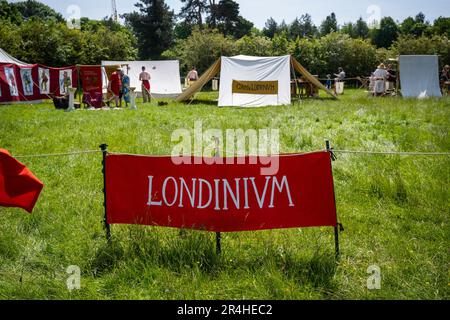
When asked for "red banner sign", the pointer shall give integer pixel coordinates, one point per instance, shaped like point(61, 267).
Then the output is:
point(220, 197)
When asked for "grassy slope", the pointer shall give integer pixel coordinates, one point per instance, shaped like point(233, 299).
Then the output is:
point(395, 209)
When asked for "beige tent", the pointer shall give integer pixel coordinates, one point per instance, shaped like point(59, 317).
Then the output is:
point(216, 67)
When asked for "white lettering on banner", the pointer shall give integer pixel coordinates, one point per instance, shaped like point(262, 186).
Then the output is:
point(238, 191)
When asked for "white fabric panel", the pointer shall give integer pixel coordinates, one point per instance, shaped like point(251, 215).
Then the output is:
point(419, 76)
point(165, 75)
point(246, 68)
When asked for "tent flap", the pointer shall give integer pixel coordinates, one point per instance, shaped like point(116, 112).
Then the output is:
point(300, 69)
point(255, 73)
point(201, 82)
point(419, 76)
point(165, 81)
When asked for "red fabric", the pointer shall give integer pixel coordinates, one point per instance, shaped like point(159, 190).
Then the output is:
point(146, 84)
point(309, 179)
point(116, 83)
point(54, 82)
point(91, 79)
point(18, 186)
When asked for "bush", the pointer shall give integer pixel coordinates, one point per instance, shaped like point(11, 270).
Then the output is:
point(436, 45)
point(201, 49)
point(323, 56)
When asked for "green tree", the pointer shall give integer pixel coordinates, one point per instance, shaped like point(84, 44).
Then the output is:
point(307, 27)
point(193, 10)
point(270, 28)
point(153, 26)
point(254, 46)
point(349, 29)
point(226, 17)
point(384, 36)
point(361, 29)
point(436, 45)
point(201, 49)
point(36, 9)
point(441, 26)
point(329, 25)
point(9, 12)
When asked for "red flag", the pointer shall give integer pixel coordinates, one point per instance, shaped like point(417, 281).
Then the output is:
point(18, 186)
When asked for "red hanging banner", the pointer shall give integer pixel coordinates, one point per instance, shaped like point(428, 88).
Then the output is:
point(221, 197)
point(91, 81)
point(35, 82)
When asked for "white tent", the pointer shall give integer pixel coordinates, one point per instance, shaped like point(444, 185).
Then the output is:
point(247, 81)
point(250, 70)
point(7, 58)
point(165, 75)
point(419, 76)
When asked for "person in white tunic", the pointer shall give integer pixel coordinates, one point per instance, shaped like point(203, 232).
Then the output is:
point(380, 75)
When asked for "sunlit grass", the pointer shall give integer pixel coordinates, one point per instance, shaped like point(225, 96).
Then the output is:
point(395, 210)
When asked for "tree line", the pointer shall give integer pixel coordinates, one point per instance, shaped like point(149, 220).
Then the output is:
point(204, 30)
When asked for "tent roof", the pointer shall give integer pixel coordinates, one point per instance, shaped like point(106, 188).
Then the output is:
point(5, 57)
point(254, 58)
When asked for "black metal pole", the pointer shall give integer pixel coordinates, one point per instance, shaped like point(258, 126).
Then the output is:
point(336, 228)
point(218, 243)
point(218, 234)
point(104, 148)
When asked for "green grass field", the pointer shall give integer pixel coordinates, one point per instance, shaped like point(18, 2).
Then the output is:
point(395, 209)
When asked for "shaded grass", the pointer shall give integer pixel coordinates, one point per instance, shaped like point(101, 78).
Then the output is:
point(395, 209)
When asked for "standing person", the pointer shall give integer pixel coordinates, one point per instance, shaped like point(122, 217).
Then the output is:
point(445, 79)
point(44, 81)
point(125, 88)
point(380, 75)
point(339, 81)
point(145, 78)
point(192, 76)
point(115, 85)
point(391, 78)
point(328, 83)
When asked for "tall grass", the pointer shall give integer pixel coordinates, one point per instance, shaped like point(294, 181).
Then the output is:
point(395, 209)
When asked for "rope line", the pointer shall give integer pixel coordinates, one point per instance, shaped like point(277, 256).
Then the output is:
point(58, 154)
point(407, 153)
point(361, 152)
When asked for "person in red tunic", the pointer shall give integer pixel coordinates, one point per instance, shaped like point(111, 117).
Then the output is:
point(115, 85)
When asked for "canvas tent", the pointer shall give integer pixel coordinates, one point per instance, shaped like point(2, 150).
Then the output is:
point(6, 58)
point(165, 82)
point(419, 76)
point(247, 81)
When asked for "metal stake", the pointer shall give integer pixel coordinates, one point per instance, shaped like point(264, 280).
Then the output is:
point(336, 228)
point(218, 235)
point(104, 148)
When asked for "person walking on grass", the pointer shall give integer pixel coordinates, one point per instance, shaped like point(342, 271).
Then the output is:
point(145, 77)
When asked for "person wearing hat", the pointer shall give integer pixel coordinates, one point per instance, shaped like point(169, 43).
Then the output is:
point(380, 76)
point(115, 86)
point(445, 79)
point(339, 81)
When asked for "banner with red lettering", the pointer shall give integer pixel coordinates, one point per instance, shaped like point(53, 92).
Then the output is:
point(156, 191)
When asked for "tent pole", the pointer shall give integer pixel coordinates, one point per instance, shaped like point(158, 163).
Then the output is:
point(297, 92)
point(104, 148)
